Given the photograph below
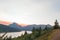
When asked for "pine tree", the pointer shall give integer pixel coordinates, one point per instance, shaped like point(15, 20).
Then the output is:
point(56, 26)
point(33, 30)
point(39, 31)
point(46, 28)
point(25, 32)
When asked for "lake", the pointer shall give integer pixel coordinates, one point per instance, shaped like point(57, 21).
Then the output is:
point(15, 34)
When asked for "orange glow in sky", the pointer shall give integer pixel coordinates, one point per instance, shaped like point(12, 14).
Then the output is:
point(4, 22)
point(7, 23)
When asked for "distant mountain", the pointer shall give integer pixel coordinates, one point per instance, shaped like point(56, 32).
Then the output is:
point(4, 28)
point(14, 27)
point(28, 27)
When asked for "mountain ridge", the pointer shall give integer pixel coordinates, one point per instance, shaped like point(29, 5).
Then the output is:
point(17, 27)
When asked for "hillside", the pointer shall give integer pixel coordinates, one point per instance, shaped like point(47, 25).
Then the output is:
point(53, 35)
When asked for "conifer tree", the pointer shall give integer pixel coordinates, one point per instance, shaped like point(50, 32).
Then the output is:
point(25, 32)
point(46, 28)
point(33, 30)
point(56, 26)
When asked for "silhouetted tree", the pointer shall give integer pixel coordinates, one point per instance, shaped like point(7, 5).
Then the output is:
point(56, 26)
point(25, 32)
point(33, 29)
point(9, 38)
point(46, 28)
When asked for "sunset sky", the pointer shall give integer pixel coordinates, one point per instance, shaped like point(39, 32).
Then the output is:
point(30, 11)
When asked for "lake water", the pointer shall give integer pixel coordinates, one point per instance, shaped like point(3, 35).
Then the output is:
point(15, 34)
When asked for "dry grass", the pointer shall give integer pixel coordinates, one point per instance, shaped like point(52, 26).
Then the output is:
point(50, 35)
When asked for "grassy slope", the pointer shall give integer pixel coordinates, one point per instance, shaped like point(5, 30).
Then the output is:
point(49, 36)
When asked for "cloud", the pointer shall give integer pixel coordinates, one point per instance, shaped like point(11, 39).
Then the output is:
point(30, 11)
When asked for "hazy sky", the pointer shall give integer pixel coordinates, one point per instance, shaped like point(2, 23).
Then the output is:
point(30, 11)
